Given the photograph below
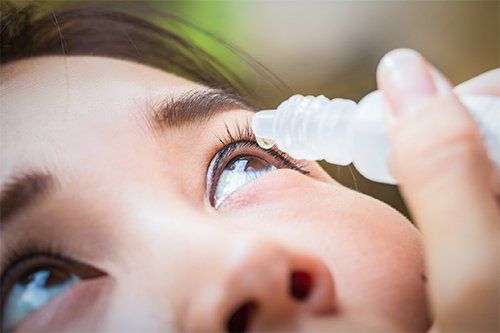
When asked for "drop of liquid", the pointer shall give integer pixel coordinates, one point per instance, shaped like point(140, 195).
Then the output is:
point(264, 143)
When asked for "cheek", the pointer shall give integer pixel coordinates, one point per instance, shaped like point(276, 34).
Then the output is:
point(374, 253)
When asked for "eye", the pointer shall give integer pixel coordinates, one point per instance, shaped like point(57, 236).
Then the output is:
point(33, 282)
point(239, 163)
point(238, 172)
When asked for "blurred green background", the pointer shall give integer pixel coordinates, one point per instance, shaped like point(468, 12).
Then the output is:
point(333, 47)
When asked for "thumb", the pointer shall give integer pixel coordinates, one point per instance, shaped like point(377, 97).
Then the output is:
point(439, 160)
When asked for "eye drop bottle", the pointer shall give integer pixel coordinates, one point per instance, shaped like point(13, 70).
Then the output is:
point(343, 132)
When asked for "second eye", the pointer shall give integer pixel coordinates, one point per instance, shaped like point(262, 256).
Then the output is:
point(238, 172)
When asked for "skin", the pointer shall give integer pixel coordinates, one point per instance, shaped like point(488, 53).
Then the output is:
point(133, 204)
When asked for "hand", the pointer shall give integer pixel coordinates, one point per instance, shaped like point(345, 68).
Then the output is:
point(450, 186)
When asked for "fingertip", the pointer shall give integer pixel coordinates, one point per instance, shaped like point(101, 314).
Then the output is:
point(407, 80)
point(442, 84)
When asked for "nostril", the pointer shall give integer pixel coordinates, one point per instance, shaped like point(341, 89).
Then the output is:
point(241, 318)
point(301, 284)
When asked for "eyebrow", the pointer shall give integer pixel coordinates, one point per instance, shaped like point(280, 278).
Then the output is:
point(195, 106)
point(21, 191)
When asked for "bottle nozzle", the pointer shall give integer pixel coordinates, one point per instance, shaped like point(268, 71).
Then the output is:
point(263, 128)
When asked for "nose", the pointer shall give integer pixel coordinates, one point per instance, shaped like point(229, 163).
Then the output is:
point(261, 286)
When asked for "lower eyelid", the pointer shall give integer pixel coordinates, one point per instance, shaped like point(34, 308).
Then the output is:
point(82, 303)
point(276, 185)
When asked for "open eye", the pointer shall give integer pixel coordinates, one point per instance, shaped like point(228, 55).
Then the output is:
point(239, 163)
point(238, 172)
point(33, 282)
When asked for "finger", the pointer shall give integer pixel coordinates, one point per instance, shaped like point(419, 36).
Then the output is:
point(485, 84)
point(445, 176)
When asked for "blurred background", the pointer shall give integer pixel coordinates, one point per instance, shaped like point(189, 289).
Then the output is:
point(333, 47)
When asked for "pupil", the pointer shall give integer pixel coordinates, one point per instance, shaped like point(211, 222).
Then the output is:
point(56, 277)
point(255, 163)
point(247, 163)
point(46, 277)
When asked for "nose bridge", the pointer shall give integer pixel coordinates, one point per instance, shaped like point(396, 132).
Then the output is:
point(190, 248)
point(169, 255)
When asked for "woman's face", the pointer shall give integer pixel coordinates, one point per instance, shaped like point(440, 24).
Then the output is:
point(110, 174)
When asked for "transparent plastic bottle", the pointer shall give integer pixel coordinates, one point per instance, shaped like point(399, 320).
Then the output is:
point(343, 132)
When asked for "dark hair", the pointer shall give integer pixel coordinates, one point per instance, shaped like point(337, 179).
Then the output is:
point(115, 29)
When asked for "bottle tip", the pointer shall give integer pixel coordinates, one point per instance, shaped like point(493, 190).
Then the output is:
point(263, 128)
point(264, 143)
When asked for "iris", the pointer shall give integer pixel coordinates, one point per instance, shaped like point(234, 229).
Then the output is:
point(238, 172)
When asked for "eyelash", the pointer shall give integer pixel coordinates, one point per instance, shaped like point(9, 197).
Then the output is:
point(242, 136)
point(15, 256)
point(16, 259)
point(238, 138)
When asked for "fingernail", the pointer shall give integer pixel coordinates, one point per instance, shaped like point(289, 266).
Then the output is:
point(405, 79)
point(441, 83)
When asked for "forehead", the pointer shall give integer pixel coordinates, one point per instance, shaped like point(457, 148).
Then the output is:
point(49, 104)
point(80, 87)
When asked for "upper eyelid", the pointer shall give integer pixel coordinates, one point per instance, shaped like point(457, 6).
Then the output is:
point(242, 132)
point(231, 147)
point(15, 263)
